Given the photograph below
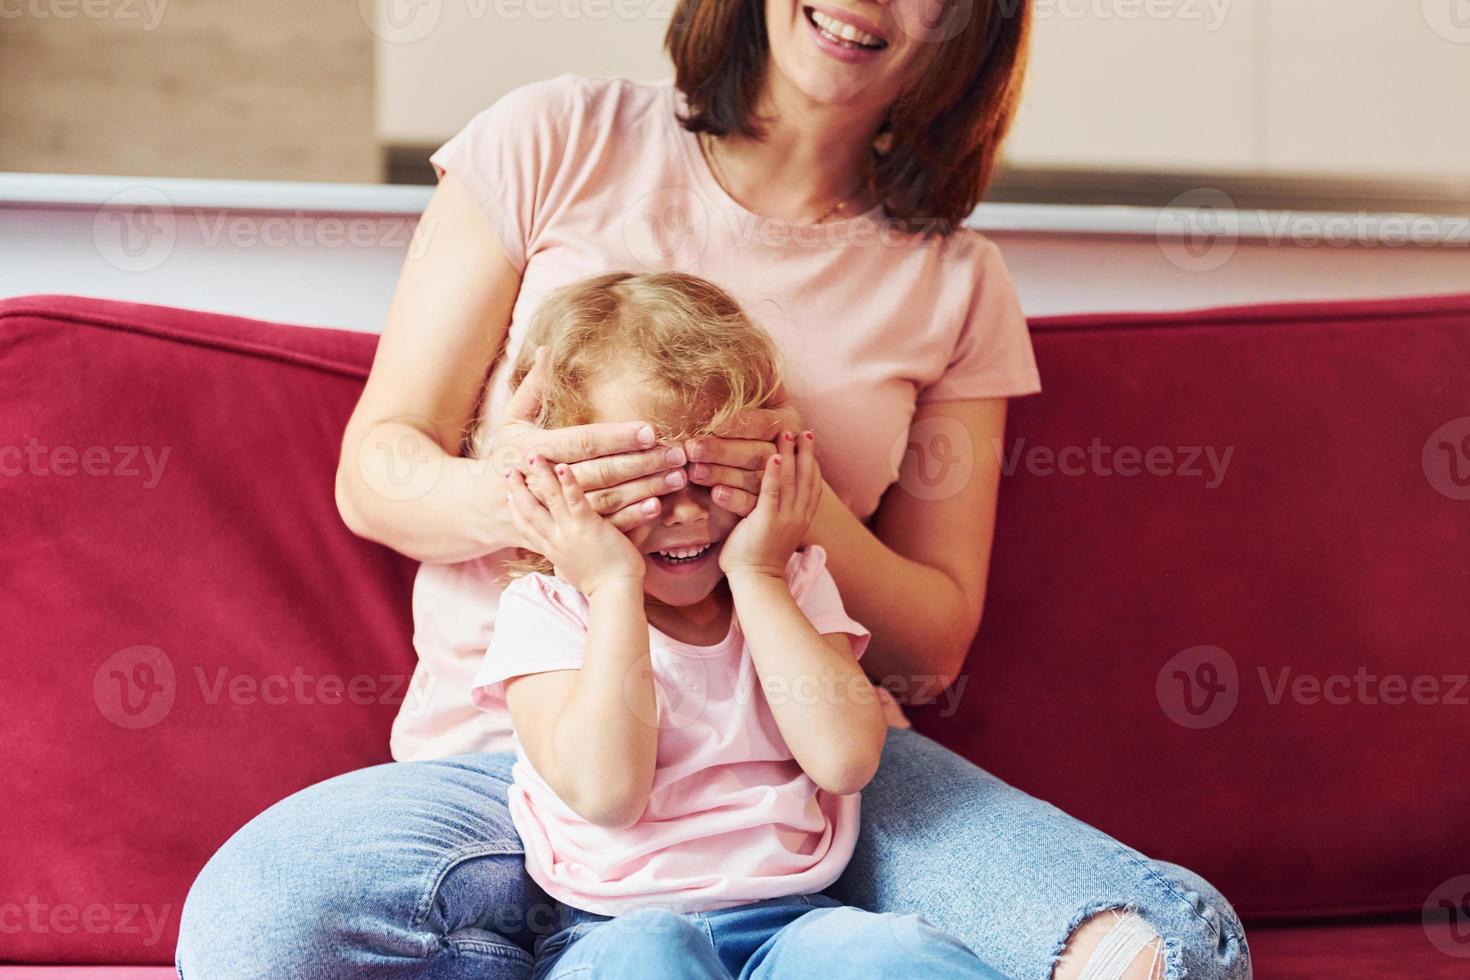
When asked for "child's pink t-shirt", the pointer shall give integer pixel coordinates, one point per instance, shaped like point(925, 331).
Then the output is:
point(731, 818)
point(578, 176)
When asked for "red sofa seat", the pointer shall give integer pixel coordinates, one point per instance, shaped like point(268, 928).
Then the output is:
point(192, 634)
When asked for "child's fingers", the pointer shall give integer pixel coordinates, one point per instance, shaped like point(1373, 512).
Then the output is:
point(788, 468)
point(575, 500)
point(529, 535)
point(807, 478)
point(769, 497)
point(532, 518)
point(546, 486)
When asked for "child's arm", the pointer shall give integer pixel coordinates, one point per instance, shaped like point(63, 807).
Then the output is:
point(827, 711)
point(591, 733)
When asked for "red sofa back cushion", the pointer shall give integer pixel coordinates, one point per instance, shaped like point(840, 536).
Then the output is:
point(192, 634)
point(1227, 618)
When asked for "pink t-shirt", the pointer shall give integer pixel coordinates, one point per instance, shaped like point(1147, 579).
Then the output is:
point(731, 818)
point(579, 176)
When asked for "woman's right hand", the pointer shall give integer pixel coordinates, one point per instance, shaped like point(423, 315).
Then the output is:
point(619, 465)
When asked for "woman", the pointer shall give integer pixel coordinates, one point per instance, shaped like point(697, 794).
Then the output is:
point(815, 160)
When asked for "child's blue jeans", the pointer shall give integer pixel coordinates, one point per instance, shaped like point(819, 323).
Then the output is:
point(798, 937)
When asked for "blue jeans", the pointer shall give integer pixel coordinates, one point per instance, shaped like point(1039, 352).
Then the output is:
point(413, 871)
point(799, 937)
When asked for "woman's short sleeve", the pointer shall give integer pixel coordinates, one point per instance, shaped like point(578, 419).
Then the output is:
point(506, 157)
point(993, 356)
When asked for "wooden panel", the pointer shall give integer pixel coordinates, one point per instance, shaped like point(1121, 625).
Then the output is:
point(266, 89)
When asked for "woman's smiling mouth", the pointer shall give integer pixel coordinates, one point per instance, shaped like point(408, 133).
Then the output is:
point(842, 33)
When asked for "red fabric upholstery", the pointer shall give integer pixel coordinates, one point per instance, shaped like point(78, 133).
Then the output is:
point(1361, 951)
point(229, 559)
point(1324, 548)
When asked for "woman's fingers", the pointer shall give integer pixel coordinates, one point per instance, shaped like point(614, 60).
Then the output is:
point(525, 401)
point(745, 454)
point(575, 443)
point(613, 499)
point(634, 516)
point(738, 502)
point(761, 424)
point(714, 474)
point(610, 472)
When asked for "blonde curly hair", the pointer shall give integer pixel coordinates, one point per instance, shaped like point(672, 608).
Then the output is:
point(702, 361)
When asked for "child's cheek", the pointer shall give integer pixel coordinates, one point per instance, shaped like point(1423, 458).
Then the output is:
point(640, 534)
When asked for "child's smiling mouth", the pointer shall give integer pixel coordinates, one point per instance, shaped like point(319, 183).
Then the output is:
point(684, 558)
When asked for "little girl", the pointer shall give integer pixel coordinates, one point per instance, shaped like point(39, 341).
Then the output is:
point(692, 725)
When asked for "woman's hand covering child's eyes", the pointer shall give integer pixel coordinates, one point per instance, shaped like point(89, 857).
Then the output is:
point(790, 490)
point(731, 461)
point(619, 465)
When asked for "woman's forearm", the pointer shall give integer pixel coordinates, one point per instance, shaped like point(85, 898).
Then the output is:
point(397, 486)
point(921, 620)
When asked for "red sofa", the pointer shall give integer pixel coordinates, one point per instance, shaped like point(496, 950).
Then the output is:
point(1227, 619)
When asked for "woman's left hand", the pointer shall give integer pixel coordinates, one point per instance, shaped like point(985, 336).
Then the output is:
point(730, 462)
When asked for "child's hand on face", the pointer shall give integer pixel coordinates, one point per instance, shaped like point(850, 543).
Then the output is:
point(791, 488)
point(587, 551)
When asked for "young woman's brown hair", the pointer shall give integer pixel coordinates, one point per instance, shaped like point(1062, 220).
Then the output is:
point(943, 133)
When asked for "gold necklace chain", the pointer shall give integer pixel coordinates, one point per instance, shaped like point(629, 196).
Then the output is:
point(709, 144)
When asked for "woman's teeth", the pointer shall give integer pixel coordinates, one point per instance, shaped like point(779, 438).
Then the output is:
point(843, 33)
point(680, 555)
